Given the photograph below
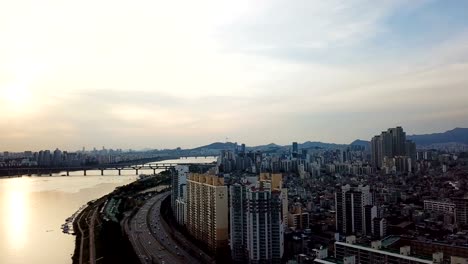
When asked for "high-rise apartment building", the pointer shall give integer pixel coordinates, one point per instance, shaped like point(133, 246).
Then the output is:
point(379, 227)
point(256, 223)
point(181, 208)
point(179, 180)
point(439, 207)
point(350, 205)
point(276, 182)
point(398, 141)
point(461, 210)
point(276, 179)
point(238, 221)
point(370, 212)
point(207, 210)
point(295, 150)
point(376, 152)
point(298, 218)
point(390, 144)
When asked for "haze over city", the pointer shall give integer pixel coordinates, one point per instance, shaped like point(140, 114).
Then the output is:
point(162, 74)
point(233, 132)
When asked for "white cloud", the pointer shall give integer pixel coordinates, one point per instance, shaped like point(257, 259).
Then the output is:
point(158, 73)
point(284, 26)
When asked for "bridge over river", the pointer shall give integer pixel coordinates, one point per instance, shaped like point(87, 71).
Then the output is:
point(10, 171)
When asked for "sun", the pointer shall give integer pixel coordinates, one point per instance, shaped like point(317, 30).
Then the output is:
point(16, 95)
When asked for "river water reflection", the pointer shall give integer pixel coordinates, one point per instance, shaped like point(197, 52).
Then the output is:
point(32, 209)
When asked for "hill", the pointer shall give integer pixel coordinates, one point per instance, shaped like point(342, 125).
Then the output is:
point(457, 135)
point(218, 146)
point(454, 136)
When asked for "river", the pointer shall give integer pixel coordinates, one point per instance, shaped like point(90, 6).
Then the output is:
point(32, 209)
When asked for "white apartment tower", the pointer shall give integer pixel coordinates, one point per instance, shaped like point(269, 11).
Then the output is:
point(256, 230)
point(350, 205)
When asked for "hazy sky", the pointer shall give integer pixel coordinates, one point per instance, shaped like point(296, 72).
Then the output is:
point(134, 74)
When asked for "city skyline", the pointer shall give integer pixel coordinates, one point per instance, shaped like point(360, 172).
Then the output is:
point(291, 143)
point(216, 131)
point(157, 74)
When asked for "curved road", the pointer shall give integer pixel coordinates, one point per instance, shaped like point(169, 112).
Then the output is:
point(150, 239)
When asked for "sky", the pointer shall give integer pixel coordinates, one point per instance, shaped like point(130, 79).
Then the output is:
point(164, 74)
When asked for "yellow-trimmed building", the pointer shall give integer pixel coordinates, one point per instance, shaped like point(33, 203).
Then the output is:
point(207, 210)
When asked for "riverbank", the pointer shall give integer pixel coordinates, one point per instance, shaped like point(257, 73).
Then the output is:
point(99, 234)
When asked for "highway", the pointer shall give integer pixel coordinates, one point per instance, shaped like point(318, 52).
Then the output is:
point(92, 239)
point(150, 238)
point(86, 223)
point(173, 234)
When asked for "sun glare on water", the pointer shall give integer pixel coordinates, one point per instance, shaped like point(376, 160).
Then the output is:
point(15, 218)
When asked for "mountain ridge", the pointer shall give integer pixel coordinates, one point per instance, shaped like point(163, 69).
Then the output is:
point(456, 135)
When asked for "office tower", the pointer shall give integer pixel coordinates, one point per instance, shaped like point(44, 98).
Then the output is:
point(207, 210)
point(256, 223)
point(350, 211)
point(179, 179)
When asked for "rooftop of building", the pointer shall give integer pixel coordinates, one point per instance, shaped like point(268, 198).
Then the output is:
point(389, 240)
point(388, 251)
point(329, 260)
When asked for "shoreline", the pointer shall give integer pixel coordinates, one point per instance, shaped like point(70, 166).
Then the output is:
point(100, 238)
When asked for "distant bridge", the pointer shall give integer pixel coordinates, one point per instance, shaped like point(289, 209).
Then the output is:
point(197, 156)
point(10, 171)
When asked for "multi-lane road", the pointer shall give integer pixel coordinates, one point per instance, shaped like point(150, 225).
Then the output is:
point(86, 223)
point(150, 236)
